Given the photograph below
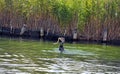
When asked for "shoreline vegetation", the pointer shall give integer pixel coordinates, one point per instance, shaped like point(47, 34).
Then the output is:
point(76, 20)
point(34, 35)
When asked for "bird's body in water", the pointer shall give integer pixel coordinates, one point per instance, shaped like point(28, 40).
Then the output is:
point(61, 47)
point(61, 40)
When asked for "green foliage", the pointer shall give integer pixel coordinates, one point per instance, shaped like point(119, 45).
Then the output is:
point(2, 5)
point(65, 10)
point(62, 12)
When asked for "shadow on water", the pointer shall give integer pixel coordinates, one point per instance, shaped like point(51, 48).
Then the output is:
point(51, 61)
point(71, 51)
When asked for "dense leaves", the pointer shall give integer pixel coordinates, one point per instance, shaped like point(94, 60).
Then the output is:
point(90, 17)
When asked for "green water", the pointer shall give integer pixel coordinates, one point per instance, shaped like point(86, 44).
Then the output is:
point(19, 56)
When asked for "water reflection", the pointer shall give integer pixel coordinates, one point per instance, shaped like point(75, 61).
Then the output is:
point(104, 45)
point(71, 52)
point(67, 65)
point(50, 61)
point(63, 65)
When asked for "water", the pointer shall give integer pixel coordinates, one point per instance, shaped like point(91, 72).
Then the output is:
point(38, 57)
